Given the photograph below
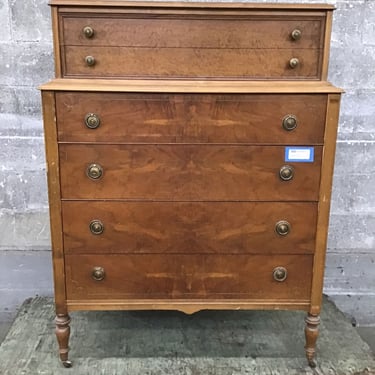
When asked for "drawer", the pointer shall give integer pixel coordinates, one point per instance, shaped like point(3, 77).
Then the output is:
point(198, 118)
point(185, 172)
point(187, 276)
point(190, 228)
point(247, 32)
point(199, 46)
point(117, 62)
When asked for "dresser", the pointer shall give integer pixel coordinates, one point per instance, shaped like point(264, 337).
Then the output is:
point(190, 151)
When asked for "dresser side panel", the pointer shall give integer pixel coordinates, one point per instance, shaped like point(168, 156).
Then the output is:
point(327, 43)
point(54, 195)
point(56, 41)
point(328, 161)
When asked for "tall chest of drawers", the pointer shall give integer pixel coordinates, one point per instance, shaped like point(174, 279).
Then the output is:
point(190, 150)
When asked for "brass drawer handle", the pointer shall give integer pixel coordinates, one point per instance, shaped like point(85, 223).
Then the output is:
point(96, 227)
point(282, 228)
point(90, 60)
point(280, 274)
point(94, 171)
point(289, 122)
point(286, 172)
point(296, 34)
point(88, 32)
point(98, 273)
point(92, 120)
point(293, 63)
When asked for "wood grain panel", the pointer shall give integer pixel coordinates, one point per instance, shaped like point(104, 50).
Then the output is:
point(195, 32)
point(191, 63)
point(186, 172)
point(188, 276)
point(136, 227)
point(176, 118)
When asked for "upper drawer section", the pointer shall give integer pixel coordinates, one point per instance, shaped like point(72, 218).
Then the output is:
point(192, 43)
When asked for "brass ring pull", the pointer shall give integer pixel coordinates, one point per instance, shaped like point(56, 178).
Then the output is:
point(92, 120)
point(98, 273)
point(286, 172)
point(94, 171)
point(289, 122)
point(296, 34)
point(293, 63)
point(90, 60)
point(96, 227)
point(282, 228)
point(280, 274)
point(88, 32)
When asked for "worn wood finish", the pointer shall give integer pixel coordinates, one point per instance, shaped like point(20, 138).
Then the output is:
point(54, 196)
point(212, 63)
point(188, 276)
point(186, 172)
point(56, 41)
point(186, 86)
point(190, 228)
point(327, 45)
point(333, 108)
point(246, 32)
point(179, 118)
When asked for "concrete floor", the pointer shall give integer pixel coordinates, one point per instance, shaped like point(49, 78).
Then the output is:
point(4, 328)
point(162, 342)
point(366, 333)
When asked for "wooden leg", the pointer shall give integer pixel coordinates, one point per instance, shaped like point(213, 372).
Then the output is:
point(62, 334)
point(311, 333)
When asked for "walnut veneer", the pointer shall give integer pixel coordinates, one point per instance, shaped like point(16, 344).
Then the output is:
point(167, 128)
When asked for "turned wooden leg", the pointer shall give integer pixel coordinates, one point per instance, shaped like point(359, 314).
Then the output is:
point(311, 333)
point(62, 334)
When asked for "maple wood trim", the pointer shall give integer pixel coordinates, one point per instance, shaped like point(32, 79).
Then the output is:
point(327, 43)
point(333, 108)
point(56, 42)
point(183, 4)
point(186, 86)
point(188, 306)
point(54, 195)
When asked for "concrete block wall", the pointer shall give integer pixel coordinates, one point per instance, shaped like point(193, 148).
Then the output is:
point(26, 60)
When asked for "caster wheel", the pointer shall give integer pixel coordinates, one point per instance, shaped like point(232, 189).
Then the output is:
point(67, 364)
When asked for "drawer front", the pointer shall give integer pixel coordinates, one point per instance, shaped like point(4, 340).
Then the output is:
point(190, 228)
point(199, 118)
point(185, 172)
point(198, 32)
point(211, 46)
point(187, 276)
point(117, 62)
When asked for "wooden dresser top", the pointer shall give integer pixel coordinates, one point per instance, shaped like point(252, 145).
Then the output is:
point(185, 4)
point(185, 86)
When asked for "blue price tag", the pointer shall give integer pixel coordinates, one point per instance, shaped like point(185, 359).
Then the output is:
point(299, 154)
